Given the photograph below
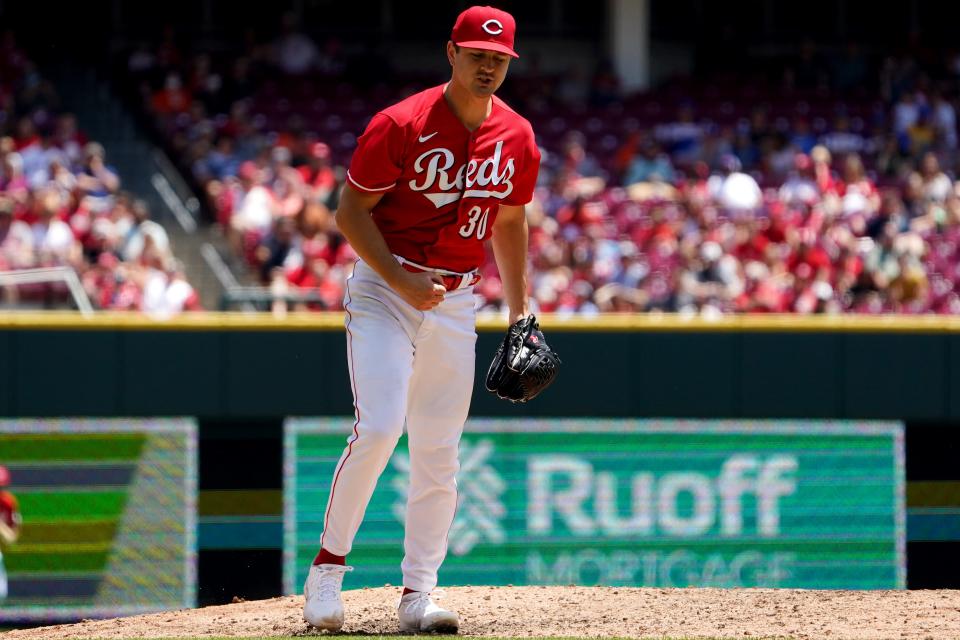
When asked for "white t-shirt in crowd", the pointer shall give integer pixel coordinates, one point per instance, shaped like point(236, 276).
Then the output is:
point(16, 246)
point(255, 212)
point(740, 191)
point(55, 238)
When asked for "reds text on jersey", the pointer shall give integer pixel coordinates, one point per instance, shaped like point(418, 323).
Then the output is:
point(442, 183)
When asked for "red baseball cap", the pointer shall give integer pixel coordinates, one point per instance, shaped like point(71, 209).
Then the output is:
point(485, 28)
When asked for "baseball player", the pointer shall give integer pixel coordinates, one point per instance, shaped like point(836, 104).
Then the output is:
point(9, 524)
point(432, 179)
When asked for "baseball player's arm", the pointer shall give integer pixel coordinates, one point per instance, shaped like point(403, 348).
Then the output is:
point(423, 291)
point(10, 518)
point(8, 534)
point(510, 233)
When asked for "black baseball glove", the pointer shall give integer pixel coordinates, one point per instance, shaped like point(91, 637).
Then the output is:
point(524, 364)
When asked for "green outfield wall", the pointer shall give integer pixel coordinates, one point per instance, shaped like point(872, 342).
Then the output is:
point(242, 377)
point(223, 366)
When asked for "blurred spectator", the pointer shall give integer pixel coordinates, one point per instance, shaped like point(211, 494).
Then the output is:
point(273, 251)
point(95, 177)
point(944, 118)
point(38, 158)
point(802, 138)
point(682, 137)
point(858, 192)
point(135, 231)
point(69, 139)
point(166, 291)
point(890, 161)
point(936, 184)
point(294, 52)
point(255, 208)
point(800, 187)
point(712, 278)
point(734, 189)
point(172, 98)
point(823, 169)
point(842, 140)
point(906, 112)
point(219, 163)
point(318, 175)
point(12, 180)
point(579, 169)
point(53, 240)
point(16, 239)
point(650, 164)
point(920, 135)
point(287, 186)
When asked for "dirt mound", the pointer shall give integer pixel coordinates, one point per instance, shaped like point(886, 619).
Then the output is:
point(575, 611)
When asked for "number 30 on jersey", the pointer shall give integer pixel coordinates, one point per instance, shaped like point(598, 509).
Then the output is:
point(476, 223)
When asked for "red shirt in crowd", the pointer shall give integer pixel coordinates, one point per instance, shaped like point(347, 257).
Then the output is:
point(807, 262)
point(322, 178)
point(442, 183)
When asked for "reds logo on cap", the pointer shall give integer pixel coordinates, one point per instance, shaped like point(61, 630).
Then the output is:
point(493, 27)
point(485, 28)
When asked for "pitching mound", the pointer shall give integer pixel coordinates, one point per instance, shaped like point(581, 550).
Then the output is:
point(575, 611)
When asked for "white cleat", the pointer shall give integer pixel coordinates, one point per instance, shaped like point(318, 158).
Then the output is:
point(418, 613)
point(322, 606)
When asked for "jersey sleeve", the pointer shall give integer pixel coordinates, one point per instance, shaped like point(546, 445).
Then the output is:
point(378, 159)
point(526, 179)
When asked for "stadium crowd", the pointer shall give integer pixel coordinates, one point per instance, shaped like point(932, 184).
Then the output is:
point(828, 190)
point(61, 205)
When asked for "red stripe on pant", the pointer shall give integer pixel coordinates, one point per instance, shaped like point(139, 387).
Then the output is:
point(356, 407)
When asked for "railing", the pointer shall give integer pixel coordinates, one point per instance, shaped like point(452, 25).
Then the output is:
point(66, 275)
point(275, 299)
point(175, 193)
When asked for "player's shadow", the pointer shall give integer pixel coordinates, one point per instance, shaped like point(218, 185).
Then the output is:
point(313, 633)
point(310, 632)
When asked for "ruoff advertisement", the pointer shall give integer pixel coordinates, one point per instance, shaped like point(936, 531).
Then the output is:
point(661, 503)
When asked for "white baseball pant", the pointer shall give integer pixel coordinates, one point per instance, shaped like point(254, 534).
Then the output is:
point(408, 365)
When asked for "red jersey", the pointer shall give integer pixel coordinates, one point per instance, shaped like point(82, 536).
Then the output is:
point(443, 184)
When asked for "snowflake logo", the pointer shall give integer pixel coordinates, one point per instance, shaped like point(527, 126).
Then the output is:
point(479, 488)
